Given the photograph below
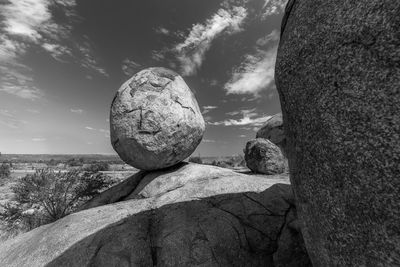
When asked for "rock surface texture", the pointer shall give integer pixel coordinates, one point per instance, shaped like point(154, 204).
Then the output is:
point(338, 76)
point(274, 132)
point(155, 121)
point(262, 156)
point(191, 215)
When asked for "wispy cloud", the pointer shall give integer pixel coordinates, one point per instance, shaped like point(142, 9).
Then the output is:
point(88, 60)
point(33, 111)
point(38, 139)
point(207, 109)
point(78, 110)
point(9, 119)
point(208, 141)
point(191, 52)
point(248, 118)
point(130, 67)
point(28, 24)
point(273, 7)
point(162, 30)
point(242, 122)
point(103, 131)
point(256, 73)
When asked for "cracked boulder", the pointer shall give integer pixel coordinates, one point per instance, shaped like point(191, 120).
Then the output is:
point(263, 156)
point(183, 216)
point(155, 121)
point(273, 131)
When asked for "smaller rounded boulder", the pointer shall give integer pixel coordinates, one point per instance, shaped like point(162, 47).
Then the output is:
point(263, 156)
point(273, 131)
point(155, 121)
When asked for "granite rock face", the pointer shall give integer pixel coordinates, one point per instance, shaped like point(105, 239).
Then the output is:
point(262, 156)
point(155, 121)
point(184, 216)
point(274, 132)
point(338, 76)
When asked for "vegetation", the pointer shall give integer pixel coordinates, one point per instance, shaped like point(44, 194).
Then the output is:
point(47, 196)
point(5, 170)
point(231, 162)
point(196, 160)
point(98, 167)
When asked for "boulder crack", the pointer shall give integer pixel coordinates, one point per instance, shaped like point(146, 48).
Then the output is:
point(183, 106)
point(262, 205)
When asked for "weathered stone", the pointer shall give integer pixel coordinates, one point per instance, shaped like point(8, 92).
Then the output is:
point(273, 131)
point(338, 76)
point(262, 156)
point(155, 121)
point(191, 215)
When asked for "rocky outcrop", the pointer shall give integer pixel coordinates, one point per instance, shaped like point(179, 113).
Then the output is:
point(262, 156)
point(191, 215)
point(274, 132)
point(155, 121)
point(338, 77)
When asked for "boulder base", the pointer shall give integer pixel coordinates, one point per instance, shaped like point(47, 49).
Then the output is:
point(185, 216)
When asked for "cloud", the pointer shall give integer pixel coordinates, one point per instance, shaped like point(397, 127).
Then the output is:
point(33, 111)
point(242, 136)
point(25, 17)
point(158, 55)
point(78, 110)
point(104, 131)
point(16, 79)
point(38, 139)
point(256, 72)
point(88, 59)
point(248, 118)
point(32, 24)
point(272, 37)
point(208, 141)
point(207, 109)
point(8, 119)
point(191, 52)
point(243, 121)
point(162, 30)
point(130, 67)
point(254, 75)
point(273, 7)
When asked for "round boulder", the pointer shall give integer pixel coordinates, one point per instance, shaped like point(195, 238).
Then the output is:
point(273, 131)
point(155, 121)
point(263, 156)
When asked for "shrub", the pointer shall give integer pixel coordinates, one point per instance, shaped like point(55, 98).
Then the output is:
point(196, 160)
point(75, 162)
point(98, 167)
point(5, 170)
point(47, 196)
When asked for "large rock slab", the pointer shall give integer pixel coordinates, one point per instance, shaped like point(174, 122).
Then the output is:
point(262, 156)
point(192, 215)
point(273, 131)
point(155, 121)
point(338, 75)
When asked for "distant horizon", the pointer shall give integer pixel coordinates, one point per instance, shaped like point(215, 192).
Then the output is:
point(102, 154)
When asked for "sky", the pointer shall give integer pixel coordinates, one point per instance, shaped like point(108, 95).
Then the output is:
point(61, 62)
